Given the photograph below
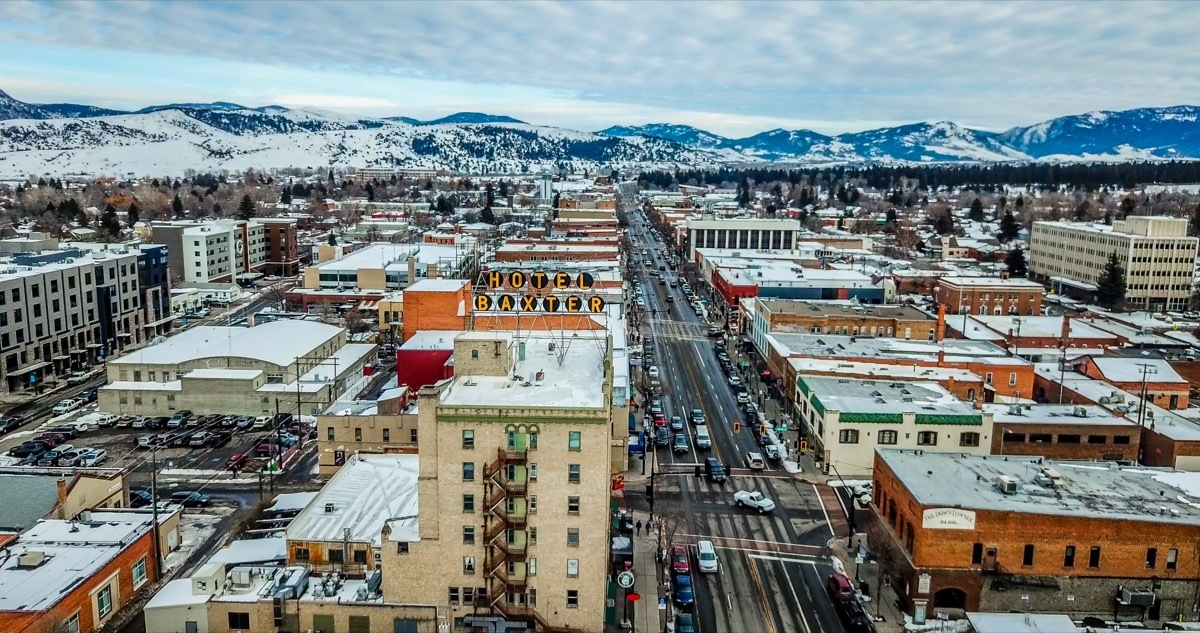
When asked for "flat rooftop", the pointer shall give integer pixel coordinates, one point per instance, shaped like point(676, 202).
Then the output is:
point(865, 347)
point(572, 374)
point(367, 492)
point(990, 282)
point(847, 395)
point(437, 285)
point(881, 371)
point(395, 256)
point(1164, 422)
point(818, 309)
point(276, 342)
point(1093, 415)
point(1038, 327)
point(1088, 489)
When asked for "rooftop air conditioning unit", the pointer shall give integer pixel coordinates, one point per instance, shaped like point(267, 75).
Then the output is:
point(1138, 597)
point(329, 507)
point(1006, 484)
point(1080, 412)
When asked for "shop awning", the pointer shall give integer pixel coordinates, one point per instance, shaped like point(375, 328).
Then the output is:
point(26, 370)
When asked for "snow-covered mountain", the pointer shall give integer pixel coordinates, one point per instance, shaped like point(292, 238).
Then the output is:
point(167, 139)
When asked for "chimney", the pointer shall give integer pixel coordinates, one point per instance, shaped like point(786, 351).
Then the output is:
point(941, 358)
point(941, 323)
point(1066, 330)
point(62, 490)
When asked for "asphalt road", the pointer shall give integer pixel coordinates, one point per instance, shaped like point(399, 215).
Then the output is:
point(772, 565)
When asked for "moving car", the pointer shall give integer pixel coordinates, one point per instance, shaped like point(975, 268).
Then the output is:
point(139, 498)
point(663, 438)
point(714, 469)
point(706, 557)
point(12, 422)
point(755, 461)
point(697, 417)
point(65, 406)
point(237, 460)
point(190, 499)
point(681, 443)
point(676, 423)
point(703, 439)
point(78, 378)
point(753, 499)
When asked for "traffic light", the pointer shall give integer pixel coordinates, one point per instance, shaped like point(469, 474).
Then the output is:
point(762, 429)
point(737, 427)
point(803, 446)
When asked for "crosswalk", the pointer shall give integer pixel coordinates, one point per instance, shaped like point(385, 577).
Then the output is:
point(677, 330)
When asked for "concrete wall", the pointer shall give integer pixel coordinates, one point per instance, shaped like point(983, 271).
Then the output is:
point(340, 433)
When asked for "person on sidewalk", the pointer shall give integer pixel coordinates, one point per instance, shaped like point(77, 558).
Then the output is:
point(639, 527)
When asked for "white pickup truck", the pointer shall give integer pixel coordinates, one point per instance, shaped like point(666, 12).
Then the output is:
point(753, 499)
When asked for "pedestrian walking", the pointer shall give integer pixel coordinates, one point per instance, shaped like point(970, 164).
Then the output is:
point(639, 527)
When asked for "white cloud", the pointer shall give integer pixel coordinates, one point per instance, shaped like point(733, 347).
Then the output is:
point(734, 66)
point(334, 102)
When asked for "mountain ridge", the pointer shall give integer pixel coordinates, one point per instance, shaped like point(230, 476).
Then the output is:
point(44, 138)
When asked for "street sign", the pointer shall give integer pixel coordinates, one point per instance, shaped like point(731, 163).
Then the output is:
point(662, 604)
point(625, 579)
point(633, 597)
point(858, 560)
point(780, 429)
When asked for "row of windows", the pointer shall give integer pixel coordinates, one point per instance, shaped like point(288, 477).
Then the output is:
point(573, 472)
point(1069, 553)
point(1063, 438)
point(331, 435)
point(924, 438)
point(574, 438)
point(468, 504)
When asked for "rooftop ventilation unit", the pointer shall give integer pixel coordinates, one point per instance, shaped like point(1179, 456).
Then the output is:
point(1007, 485)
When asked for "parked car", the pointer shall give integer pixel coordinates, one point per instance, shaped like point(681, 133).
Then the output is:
point(854, 617)
point(68, 431)
point(147, 441)
point(743, 398)
point(139, 498)
point(663, 438)
point(680, 563)
point(753, 499)
point(714, 331)
point(52, 439)
point(266, 449)
point(199, 439)
point(682, 591)
point(684, 623)
point(93, 457)
point(237, 460)
point(88, 395)
point(219, 438)
point(53, 457)
point(107, 420)
point(190, 499)
point(78, 378)
point(706, 557)
point(12, 422)
point(32, 448)
point(73, 456)
point(261, 422)
point(653, 371)
point(157, 423)
point(179, 419)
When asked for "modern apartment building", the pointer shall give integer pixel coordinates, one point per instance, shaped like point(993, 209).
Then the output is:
point(64, 310)
point(749, 234)
point(513, 485)
point(283, 253)
point(214, 250)
point(1156, 253)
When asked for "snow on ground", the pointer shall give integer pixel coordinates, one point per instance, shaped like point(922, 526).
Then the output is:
point(194, 532)
point(938, 626)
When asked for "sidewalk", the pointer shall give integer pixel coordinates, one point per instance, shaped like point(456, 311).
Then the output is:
point(882, 600)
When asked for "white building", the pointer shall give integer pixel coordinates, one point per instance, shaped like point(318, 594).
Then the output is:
point(1156, 253)
point(743, 233)
point(214, 250)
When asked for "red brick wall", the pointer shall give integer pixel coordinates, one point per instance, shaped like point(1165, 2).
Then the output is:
point(425, 310)
point(1020, 442)
point(732, 293)
point(1028, 302)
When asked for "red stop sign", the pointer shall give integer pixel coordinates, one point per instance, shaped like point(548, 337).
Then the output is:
point(633, 597)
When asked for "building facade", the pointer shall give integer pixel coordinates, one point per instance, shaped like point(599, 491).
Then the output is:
point(748, 234)
point(989, 296)
point(213, 250)
point(1158, 257)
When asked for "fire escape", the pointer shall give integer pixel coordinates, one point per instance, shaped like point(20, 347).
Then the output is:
point(506, 539)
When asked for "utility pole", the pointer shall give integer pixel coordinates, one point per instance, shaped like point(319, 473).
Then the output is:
point(849, 511)
point(1147, 369)
point(158, 561)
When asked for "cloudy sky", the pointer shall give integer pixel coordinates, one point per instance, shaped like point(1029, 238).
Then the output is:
point(731, 68)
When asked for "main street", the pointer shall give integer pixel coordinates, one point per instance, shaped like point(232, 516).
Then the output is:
point(773, 565)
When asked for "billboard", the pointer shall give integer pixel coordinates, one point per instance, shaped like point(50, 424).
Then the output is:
point(509, 292)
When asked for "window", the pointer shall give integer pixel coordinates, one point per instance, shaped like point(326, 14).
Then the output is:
point(574, 440)
point(1012, 379)
point(72, 624)
point(1120, 439)
point(1068, 439)
point(469, 565)
point(387, 435)
point(360, 624)
point(468, 504)
point(1027, 556)
point(468, 596)
point(572, 537)
point(468, 471)
point(239, 620)
point(454, 595)
point(412, 436)
point(532, 566)
point(1151, 557)
point(1039, 438)
point(329, 434)
point(887, 437)
point(572, 568)
point(572, 505)
point(988, 376)
point(468, 440)
point(532, 504)
point(533, 536)
point(360, 556)
point(1097, 439)
point(848, 436)
point(1094, 557)
point(1172, 559)
point(104, 601)
point(139, 573)
point(474, 353)
point(977, 554)
point(968, 439)
point(572, 599)
point(401, 548)
point(927, 438)
point(533, 472)
point(573, 473)
point(533, 441)
point(337, 556)
point(358, 435)
point(468, 535)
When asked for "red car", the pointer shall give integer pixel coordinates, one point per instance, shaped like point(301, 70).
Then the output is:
point(52, 439)
point(237, 460)
point(660, 420)
point(679, 559)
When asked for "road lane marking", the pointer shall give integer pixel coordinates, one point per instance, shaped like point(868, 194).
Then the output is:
point(783, 559)
point(762, 595)
point(828, 523)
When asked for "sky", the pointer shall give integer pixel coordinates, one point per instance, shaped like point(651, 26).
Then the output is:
point(734, 68)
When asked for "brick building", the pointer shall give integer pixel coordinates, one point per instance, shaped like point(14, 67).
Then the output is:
point(556, 252)
point(1164, 386)
point(887, 321)
point(283, 251)
point(989, 296)
point(980, 533)
point(1076, 432)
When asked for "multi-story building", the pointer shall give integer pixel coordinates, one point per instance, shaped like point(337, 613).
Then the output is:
point(887, 321)
point(514, 484)
point(1158, 257)
point(846, 419)
point(155, 286)
point(749, 234)
point(386, 425)
point(212, 250)
point(282, 247)
point(383, 266)
point(1026, 535)
point(1064, 431)
point(989, 295)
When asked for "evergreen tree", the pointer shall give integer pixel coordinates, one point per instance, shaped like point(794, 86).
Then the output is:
point(504, 189)
point(1081, 211)
point(805, 197)
point(370, 192)
point(743, 192)
point(51, 209)
point(1015, 261)
point(177, 206)
point(486, 215)
point(132, 215)
point(944, 223)
point(976, 210)
point(1020, 201)
point(286, 196)
point(332, 239)
point(1110, 291)
point(1009, 227)
point(1195, 223)
point(109, 222)
point(245, 208)
point(330, 176)
point(217, 209)
point(554, 202)
point(489, 196)
point(892, 218)
point(1128, 204)
point(1108, 216)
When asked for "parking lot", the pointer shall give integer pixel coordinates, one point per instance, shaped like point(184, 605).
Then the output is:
point(195, 445)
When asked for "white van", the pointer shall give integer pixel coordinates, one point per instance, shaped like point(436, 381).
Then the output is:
point(754, 461)
point(703, 439)
point(706, 557)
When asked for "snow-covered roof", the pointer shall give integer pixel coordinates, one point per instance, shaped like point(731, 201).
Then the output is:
point(225, 374)
point(1131, 370)
point(431, 340)
point(292, 501)
point(880, 396)
point(1022, 623)
point(437, 285)
point(1059, 414)
point(258, 550)
point(365, 493)
point(1099, 491)
point(577, 381)
point(177, 593)
point(276, 342)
